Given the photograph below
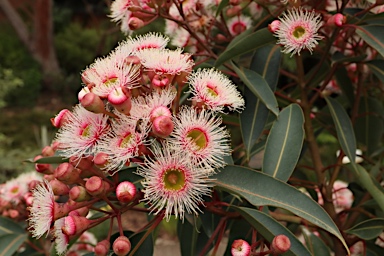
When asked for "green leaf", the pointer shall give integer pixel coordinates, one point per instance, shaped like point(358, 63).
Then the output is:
point(51, 160)
point(377, 68)
point(284, 143)
point(339, 57)
point(8, 226)
point(258, 86)
point(269, 228)
point(261, 189)
point(344, 129)
point(221, 6)
point(377, 19)
point(252, 120)
point(345, 83)
point(316, 245)
point(11, 242)
point(192, 238)
point(369, 124)
point(368, 229)
point(317, 78)
point(372, 35)
point(246, 44)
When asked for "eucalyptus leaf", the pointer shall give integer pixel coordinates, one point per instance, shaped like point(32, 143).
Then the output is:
point(372, 35)
point(377, 68)
point(8, 226)
point(368, 229)
point(284, 143)
point(11, 242)
point(261, 189)
point(315, 245)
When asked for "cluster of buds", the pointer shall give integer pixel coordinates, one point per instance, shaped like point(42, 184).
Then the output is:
point(279, 245)
point(129, 118)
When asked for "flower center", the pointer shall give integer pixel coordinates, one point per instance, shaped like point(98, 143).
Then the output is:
point(126, 141)
point(110, 80)
point(14, 190)
point(212, 90)
point(85, 132)
point(298, 32)
point(174, 179)
point(198, 137)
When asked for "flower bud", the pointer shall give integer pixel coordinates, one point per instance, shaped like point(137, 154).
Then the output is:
point(274, 26)
point(233, 10)
point(160, 81)
point(82, 93)
point(66, 173)
point(42, 168)
point(75, 225)
point(135, 23)
point(121, 100)
point(101, 160)
point(125, 191)
point(280, 244)
point(102, 248)
point(240, 247)
point(79, 194)
point(82, 163)
point(47, 151)
point(13, 213)
point(95, 186)
point(59, 188)
point(337, 20)
point(162, 126)
point(121, 246)
point(61, 118)
point(93, 103)
point(83, 211)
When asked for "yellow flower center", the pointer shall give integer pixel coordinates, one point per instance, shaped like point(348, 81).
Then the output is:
point(198, 137)
point(174, 179)
point(212, 90)
point(86, 131)
point(110, 80)
point(298, 32)
point(126, 141)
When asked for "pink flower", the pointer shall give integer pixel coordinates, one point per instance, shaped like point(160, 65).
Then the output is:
point(342, 197)
point(239, 24)
point(79, 135)
point(240, 247)
point(201, 138)
point(123, 142)
point(172, 183)
point(61, 239)
point(215, 91)
point(298, 30)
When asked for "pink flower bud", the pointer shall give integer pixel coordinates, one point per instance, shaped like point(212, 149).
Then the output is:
point(280, 244)
point(135, 23)
point(61, 118)
point(95, 186)
point(240, 247)
point(337, 20)
point(83, 211)
point(159, 111)
point(59, 188)
point(274, 26)
point(82, 93)
point(125, 191)
point(47, 151)
point(93, 103)
point(13, 213)
point(120, 100)
point(102, 248)
point(42, 168)
point(83, 163)
point(101, 160)
point(75, 225)
point(79, 194)
point(66, 173)
point(162, 126)
point(233, 10)
point(132, 60)
point(121, 246)
point(160, 81)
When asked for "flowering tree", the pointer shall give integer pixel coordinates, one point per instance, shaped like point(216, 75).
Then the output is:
point(156, 131)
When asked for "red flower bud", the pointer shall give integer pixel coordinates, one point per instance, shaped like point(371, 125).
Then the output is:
point(66, 173)
point(121, 246)
point(93, 103)
point(240, 247)
point(102, 248)
point(162, 126)
point(125, 191)
point(75, 225)
point(280, 244)
point(79, 194)
point(59, 188)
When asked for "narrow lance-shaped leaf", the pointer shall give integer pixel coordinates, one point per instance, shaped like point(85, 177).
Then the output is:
point(315, 245)
point(246, 44)
point(266, 62)
point(368, 229)
point(377, 67)
point(261, 189)
point(344, 129)
point(10, 243)
point(284, 143)
point(372, 35)
point(269, 228)
point(258, 87)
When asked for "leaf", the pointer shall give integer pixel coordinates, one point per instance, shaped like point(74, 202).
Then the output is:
point(377, 68)
point(319, 76)
point(11, 242)
point(252, 120)
point(221, 6)
point(369, 124)
point(284, 143)
point(246, 44)
point(315, 244)
point(339, 57)
point(192, 237)
point(372, 35)
point(344, 129)
point(261, 189)
point(8, 226)
point(345, 83)
point(368, 229)
point(51, 160)
point(258, 87)
point(269, 228)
